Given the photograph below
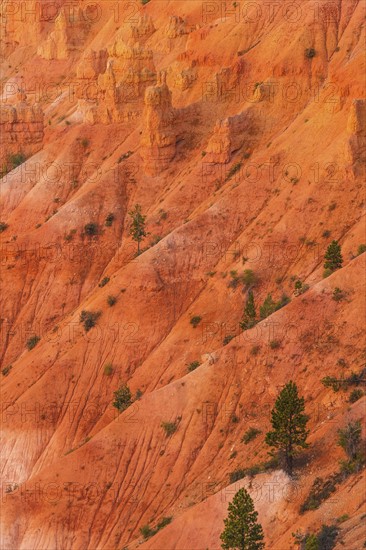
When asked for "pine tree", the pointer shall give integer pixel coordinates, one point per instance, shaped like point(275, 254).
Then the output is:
point(289, 425)
point(242, 531)
point(333, 257)
point(249, 316)
point(137, 229)
point(268, 307)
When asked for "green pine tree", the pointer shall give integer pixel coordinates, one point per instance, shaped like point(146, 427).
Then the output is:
point(333, 257)
point(268, 307)
point(242, 531)
point(289, 425)
point(249, 316)
point(137, 229)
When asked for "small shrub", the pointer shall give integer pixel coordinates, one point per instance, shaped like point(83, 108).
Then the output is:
point(193, 366)
point(255, 350)
point(109, 219)
point(89, 319)
point(233, 455)
point(327, 272)
point(233, 170)
point(335, 383)
point(195, 321)
point(32, 342)
point(236, 475)
point(355, 395)
point(234, 419)
point(104, 281)
point(144, 2)
point(111, 300)
point(274, 344)
point(338, 295)
point(320, 491)
point(3, 226)
point(91, 229)
point(6, 370)
point(327, 537)
point(169, 428)
point(138, 395)
point(326, 234)
point(108, 369)
point(349, 438)
point(310, 53)
point(146, 531)
point(250, 435)
point(85, 143)
point(361, 249)
point(282, 302)
point(122, 398)
point(228, 339)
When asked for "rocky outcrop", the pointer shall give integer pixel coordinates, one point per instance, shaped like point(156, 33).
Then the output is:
point(143, 29)
point(159, 135)
point(176, 27)
point(230, 134)
point(21, 128)
point(112, 83)
point(69, 35)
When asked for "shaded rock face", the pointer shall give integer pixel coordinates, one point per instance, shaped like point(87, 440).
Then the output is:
point(158, 139)
point(356, 146)
point(21, 128)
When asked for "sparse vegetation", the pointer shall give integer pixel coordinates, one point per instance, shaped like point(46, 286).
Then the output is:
point(228, 339)
point(85, 143)
point(249, 317)
point(108, 369)
point(104, 281)
point(250, 434)
point(338, 295)
point(320, 491)
point(268, 307)
point(300, 288)
point(32, 342)
point(274, 344)
point(6, 370)
point(310, 53)
point(253, 470)
point(122, 398)
point(91, 229)
point(169, 428)
point(109, 219)
point(89, 319)
point(111, 300)
point(349, 438)
point(355, 395)
point(148, 532)
point(195, 321)
point(3, 226)
point(233, 170)
point(361, 249)
point(193, 366)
